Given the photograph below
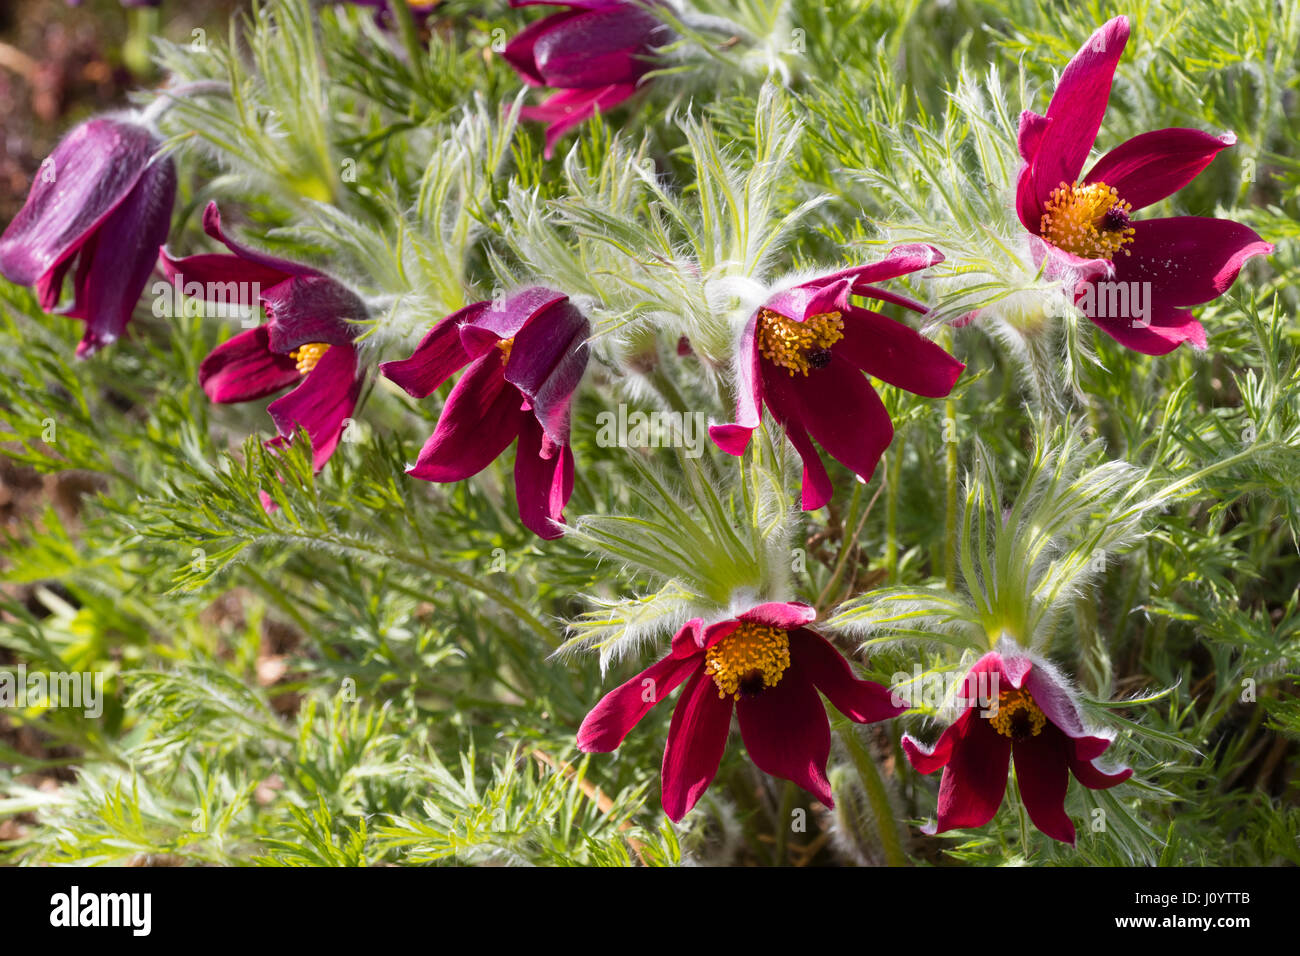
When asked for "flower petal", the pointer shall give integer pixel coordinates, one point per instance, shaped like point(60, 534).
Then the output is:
point(503, 319)
point(598, 47)
point(479, 421)
point(520, 52)
point(244, 368)
point(273, 264)
point(840, 409)
point(733, 438)
point(929, 759)
point(899, 261)
point(787, 734)
point(1164, 330)
point(1042, 778)
point(859, 700)
point(780, 614)
point(322, 403)
point(435, 359)
point(897, 354)
point(816, 298)
point(547, 361)
point(1151, 166)
point(1089, 774)
point(569, 108)
point(1188, 259)
point(697, 738)
point(611, 720)
point(90, 173)
point(1076, 110)
point(543, 479)
point(111, 277)
point(975, 777)
point(306, 309)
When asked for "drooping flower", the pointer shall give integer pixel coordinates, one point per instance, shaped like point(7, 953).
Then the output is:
point(526, 355)
point(306, 343)
point(595, 54)
point(1084, 225)
point(803, 354)
point(767, 666)
point(1015, 707)
point(101, 203)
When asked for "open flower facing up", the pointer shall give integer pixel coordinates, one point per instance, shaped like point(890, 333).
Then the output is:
point(305, 344)
point(102, 202)
point(765, 665)
point(594, 54)
point(1017, 707)
point(803, 354)
point(526, 356)
point(1084, 225)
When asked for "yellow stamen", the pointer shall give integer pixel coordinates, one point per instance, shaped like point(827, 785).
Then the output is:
point(505, 345)
point(1090, 221)
point(308, 355)
point(798, 346)
point(1018, 716)
point(750, 653)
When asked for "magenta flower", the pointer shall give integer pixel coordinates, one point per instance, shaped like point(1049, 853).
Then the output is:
point(306, 343)
point(1084, 225)
point(803, 354)
point(102, 202)
point(526, 356)
point(1033, 718)
point(595, 54)
point(768, 667)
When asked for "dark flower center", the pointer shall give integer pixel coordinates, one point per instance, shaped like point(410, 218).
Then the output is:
point(1115, 220)
point(1017, 716)
point(819, 358)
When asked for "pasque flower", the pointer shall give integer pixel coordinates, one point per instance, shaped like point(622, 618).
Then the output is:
point(101, 203)
point(767, 666)
point(306, 343)
point(803, 354)
point(1015, 707)
point(594, 53)
point(526, 355)
point(1084, 224)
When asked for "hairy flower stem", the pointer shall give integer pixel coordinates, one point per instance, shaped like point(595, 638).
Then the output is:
point(869, 775)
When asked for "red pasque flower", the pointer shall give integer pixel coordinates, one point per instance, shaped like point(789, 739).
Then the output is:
point(102, 202)
point(306, 343)
point(803, 354)
point(767, 666)
point(526, 356)
point(594, 54)
point(1084, 225)
point(1015, 707)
